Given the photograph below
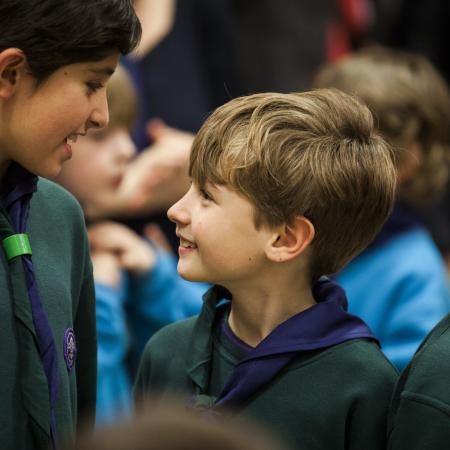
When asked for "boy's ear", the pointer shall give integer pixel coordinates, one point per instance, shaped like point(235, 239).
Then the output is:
point(290, 240)
point(12, 66)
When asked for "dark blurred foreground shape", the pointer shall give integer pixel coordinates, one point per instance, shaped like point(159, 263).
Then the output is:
point(175, 428)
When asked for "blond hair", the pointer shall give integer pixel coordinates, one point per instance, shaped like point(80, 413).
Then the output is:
point(411, 104)
point(314, 154)
point(122, 99)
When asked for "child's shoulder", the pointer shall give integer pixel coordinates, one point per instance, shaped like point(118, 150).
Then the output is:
point(53, 201)
point(56, 219)
point(364, 354)
point(360, 357)
point(163, 359)
point(416, 243)
point(432, 362)
point(50, 192)
point(360, 369)
point(420, 408)
point(171, 340)
point(415, 267)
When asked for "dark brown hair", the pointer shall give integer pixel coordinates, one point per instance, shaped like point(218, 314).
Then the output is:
point(55, 33)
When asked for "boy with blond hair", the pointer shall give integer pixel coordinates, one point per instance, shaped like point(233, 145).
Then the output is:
point(285, 188)
point(411, 104)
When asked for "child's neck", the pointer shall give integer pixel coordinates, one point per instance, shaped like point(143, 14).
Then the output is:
point(4, 165)
point(256, 312)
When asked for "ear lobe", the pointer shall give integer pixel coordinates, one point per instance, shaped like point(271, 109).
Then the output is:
point(12, 65)
point(290, 240)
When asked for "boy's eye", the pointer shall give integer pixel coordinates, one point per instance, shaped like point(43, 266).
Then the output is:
point(93, 86)
point(204, 194)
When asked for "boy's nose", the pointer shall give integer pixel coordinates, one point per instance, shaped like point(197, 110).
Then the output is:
point(178, 213)
point(99, 117)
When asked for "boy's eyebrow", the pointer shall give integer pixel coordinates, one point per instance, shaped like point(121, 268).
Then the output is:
point(107, 71)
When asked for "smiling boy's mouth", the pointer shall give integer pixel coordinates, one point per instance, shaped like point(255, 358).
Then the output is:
point(72, 138)
point(186, 244)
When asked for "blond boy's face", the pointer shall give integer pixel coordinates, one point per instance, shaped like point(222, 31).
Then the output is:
point(218, 239)
point(96, 170)
point(41, 118)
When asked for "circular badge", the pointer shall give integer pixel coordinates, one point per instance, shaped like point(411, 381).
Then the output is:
point(70, 348)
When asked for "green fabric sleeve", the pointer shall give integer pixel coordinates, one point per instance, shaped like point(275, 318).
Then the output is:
point(86, 366)
point(367, 425)
point(423, 423)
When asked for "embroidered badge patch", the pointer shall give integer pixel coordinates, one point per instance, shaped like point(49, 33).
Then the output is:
point(70, 348)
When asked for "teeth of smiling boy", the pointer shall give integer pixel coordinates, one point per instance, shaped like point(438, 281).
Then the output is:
point(187, 244)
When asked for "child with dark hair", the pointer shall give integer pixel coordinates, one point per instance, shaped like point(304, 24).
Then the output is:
point(55, 59)
point(411, 104)
point(285, 188)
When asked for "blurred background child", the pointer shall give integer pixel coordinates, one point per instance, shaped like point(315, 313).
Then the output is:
point(137, 286)
point(411, 104)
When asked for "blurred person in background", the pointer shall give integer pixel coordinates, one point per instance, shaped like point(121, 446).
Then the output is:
point(411, 104)
point(137, 286)
point(421, 26)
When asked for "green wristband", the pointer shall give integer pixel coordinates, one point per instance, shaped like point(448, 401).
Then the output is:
point(16, 245)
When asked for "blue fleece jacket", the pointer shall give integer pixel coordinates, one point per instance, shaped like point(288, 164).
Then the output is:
point(131, 313)
point(400, 289)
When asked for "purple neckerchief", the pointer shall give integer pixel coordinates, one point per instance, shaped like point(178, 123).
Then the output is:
point(325, 324)
point(18, 188)
point(231, 337)
point(403, 218)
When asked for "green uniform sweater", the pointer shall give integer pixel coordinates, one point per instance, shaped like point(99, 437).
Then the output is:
point(335, 398)
point(64, 277)
point(420, 409)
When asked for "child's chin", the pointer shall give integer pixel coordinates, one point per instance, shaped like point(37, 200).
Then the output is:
point(189, 276)
point(50, 172)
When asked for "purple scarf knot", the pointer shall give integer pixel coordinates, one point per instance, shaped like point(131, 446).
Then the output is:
point(325, 324)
